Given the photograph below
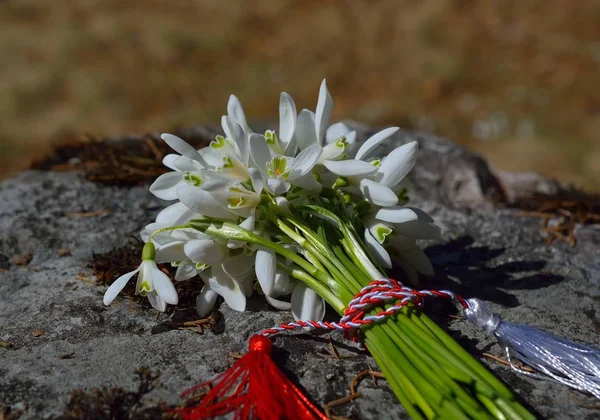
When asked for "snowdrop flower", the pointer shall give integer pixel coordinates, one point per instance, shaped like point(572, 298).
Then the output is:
point(280, 171)
point(232, 279)
point(228, 204)
point(378, 180)
point(151, 282)
point(391, 234)
point(285, 144)
point(187, 167)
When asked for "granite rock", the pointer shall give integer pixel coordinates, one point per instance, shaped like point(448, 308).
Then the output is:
point(488, 251)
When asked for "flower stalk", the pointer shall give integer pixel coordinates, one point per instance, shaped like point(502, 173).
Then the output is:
point(427, 370)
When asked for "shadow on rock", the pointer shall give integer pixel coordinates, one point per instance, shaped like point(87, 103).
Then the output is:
point(471, 271)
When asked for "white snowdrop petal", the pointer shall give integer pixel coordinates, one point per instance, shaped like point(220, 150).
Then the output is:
point(291, 148)
point(185, 271)
point(235, 111)
point(185, 164)
point(377, 250)
point(397, 215)
point(205, 251)
point(203, 202)
point(249, 223)
point(265, 267)
point(281, 305)
point(172, 252)
point(305, 129)
point(278, 186)
point(350, 167)
point(256, 179)
point(228, 288)
point(424, 217)
point(156, 302)
point(205, 301)
point(283, 284)
point(335, 131)
point(169, 161)
point(115, 288)
point(164, 287)
point(175, 214)
point(260, 153)
point(235, 133)
point(308, 183)
point(238, 266)
point(287, 118)
point(323, 112)
point(306, 304)
point(305, 161)
point(182, 147)
point(398, 164)
point(374, 141)
point(351, 137)
point(164, 187)
point(217, 184)
point(377, 193)
point(213, 158)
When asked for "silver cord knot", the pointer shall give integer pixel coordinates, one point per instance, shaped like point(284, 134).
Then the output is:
point(480, 314)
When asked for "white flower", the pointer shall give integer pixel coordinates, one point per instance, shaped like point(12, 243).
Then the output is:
point(232, 279)
point(409, 221)
point(187, 165)
point(377, 180)
point(391, 235)
point(280, 171)
point(151, 282)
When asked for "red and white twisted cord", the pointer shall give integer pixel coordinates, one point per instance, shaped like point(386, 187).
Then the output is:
point(376, 293)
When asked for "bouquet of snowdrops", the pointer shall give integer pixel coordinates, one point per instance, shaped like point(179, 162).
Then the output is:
point(311, 213)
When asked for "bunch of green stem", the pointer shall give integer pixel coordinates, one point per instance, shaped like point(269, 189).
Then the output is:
point(431, 374)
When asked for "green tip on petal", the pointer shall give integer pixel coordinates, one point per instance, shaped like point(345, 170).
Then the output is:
point(341, 143)
point(270, 137)
point(381, 232)
point(149, 251)
point(218, 142)
point(194, 180)
point(144, 288)
point(227, 162)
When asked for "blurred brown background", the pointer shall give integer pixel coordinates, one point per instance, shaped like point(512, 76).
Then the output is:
point(518, 81)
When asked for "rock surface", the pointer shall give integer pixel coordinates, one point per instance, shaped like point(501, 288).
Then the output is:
point(488, 251)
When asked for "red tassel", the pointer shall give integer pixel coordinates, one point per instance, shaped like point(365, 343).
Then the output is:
point(254, 388)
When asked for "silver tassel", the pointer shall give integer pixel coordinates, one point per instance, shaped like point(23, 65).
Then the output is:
point(552, 357)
